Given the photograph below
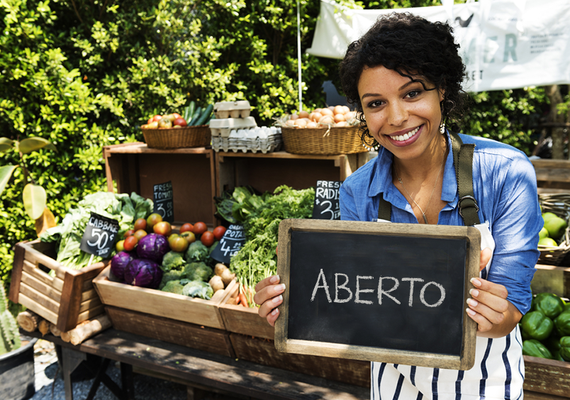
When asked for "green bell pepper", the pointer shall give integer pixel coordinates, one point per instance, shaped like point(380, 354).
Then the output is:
point(565, 347)
point(549, 303)
point(562, 323)
point(536, 325)
point(552, 343)
point(535, 348)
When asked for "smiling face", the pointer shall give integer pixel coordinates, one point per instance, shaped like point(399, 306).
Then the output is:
point(400, 113)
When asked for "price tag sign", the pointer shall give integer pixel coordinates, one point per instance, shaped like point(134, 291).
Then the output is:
point(229, 245)
point(100, 235)
point(164, 201)
point(326, 200)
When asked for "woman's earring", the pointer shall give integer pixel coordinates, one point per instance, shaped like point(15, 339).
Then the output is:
point(442, 128)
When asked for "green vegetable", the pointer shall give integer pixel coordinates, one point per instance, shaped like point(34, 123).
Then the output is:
point(189, 111)
point(562, 323)
point(195, 117)
point(535, 348)
point(173, 260)
point(173, 287)
point(198, 271)
point(197, 252)
point(198, 289)
point(170, 276)
point(549, 303)
point(205, 115)
point(536, 325)
point(68, 234)
point(565, 347)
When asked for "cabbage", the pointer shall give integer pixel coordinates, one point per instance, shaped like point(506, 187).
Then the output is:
point(198, 271)
point(198, 289)
point(153, 247)
point(143, 273)
point(119, 263)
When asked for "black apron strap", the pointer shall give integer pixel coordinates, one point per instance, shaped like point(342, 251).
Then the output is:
point(463, 161)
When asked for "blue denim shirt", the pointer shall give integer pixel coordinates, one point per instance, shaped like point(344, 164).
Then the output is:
point(504, 185)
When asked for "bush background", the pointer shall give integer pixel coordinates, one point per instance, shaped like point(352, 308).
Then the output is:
point(87, 73)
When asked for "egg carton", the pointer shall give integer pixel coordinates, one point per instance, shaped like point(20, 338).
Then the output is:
point(232, 109)
point(223, 127)
point(262, 139)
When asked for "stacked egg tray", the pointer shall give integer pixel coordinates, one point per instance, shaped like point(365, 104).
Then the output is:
point(263, 139)
point(232, 109)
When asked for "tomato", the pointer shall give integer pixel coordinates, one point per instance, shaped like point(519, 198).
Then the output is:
point(140, 224)
point(130, 243)
point(189, 236)
point(152, 220)
point(178, 244)
point(139, 234)
point(128, 233)
point(207, 238)
point(176, 115)
point(219, 232)
point(120, 246)
point(162, 228)
point(157, 118)
point(199, 228)
point(187, 227)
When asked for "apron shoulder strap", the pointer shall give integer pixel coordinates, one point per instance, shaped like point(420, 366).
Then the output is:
point(463, 161)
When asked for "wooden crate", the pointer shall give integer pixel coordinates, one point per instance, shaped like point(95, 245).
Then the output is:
point(551, 279)
point(134, 167)
point(162, 304)
point(172, 331)
point(65, 297)
point(546, 379)
point(252, 340)
point(265, 172)
point(552, 175)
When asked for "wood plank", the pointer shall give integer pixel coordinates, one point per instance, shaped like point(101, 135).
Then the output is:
point(16, 276)
point(41, 287)
point(90, 313)
point(552, 279)
point(39, 298)
point(38, 258)
point(212, 370)
point(547, 376)
point(190, 335)
point(33, 270)
point(89, 294)
point(37, 308)
point(69, 309)
point(528, 395)
point(89, 304)
point(246, 321)
point(142, 148)
point(262, 351)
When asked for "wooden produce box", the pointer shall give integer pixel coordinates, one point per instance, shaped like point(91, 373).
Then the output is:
point(252, 340)
point(546, 379)
point(265, 172)
point(552, 176)
point(551, 279)
point(134, 167)
point(64, 298)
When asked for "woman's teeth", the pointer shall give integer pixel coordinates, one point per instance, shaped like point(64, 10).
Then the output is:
point(406, 136)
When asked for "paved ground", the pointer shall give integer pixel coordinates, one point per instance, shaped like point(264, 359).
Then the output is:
point(49, 382)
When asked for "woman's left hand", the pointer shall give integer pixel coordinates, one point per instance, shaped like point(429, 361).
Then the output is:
point(489, 307)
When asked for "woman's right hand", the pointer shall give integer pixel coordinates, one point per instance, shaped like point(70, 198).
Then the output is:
point(268, 294)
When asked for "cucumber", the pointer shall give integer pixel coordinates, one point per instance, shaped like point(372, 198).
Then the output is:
point(195, 116)
point(205, 114)
point(189, 111)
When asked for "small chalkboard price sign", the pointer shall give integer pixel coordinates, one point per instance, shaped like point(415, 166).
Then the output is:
point(100, 235)
point(378, 291)
point(164, 201)
point(326, 205)
point(230, 243)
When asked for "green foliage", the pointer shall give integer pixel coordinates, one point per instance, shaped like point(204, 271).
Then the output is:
point(9, 333)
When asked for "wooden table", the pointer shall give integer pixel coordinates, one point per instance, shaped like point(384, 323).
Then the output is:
point(195, 368)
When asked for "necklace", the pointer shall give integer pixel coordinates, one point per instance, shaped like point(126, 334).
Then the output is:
point(430, 196)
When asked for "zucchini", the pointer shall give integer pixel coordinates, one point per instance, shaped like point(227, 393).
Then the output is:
point(205, 114)
point(189, 111)
point(195, 116)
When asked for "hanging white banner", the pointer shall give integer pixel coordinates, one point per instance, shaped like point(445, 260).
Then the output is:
point(505, 44)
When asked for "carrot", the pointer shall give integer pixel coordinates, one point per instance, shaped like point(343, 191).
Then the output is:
point(242, 300)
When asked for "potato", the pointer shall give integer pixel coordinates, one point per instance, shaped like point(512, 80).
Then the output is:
point(216, 283)
point(227, 277)
point(219, 268)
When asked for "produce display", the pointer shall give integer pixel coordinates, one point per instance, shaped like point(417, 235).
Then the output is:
point(260, 215)
point(193, 116)
point(546, 328)
point(151, 255)
point(335, 116)
point(553, 230)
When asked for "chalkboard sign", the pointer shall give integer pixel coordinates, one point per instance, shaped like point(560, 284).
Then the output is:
point(378, 291)
point(164, 201)
point(326, 204)
point(100, 235)
point(231, 242)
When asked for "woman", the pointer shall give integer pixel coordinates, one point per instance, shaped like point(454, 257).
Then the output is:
point(405, 75)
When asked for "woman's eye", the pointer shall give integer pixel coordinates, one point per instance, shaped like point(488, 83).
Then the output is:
point(375, 103)
point(414, 93)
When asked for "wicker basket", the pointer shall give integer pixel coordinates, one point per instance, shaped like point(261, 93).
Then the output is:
point(175, 138)
point(559, 204)
point(325, 141)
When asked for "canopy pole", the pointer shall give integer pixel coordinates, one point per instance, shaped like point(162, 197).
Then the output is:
point(299, 55)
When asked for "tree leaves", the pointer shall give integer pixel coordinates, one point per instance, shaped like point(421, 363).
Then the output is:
point(34, 197)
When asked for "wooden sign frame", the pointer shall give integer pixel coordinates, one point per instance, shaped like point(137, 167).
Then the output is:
point(461, 360)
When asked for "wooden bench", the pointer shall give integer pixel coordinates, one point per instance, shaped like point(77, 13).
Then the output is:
point(196, 369)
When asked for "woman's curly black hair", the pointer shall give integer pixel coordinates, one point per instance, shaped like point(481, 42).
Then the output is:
point(411, 46)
